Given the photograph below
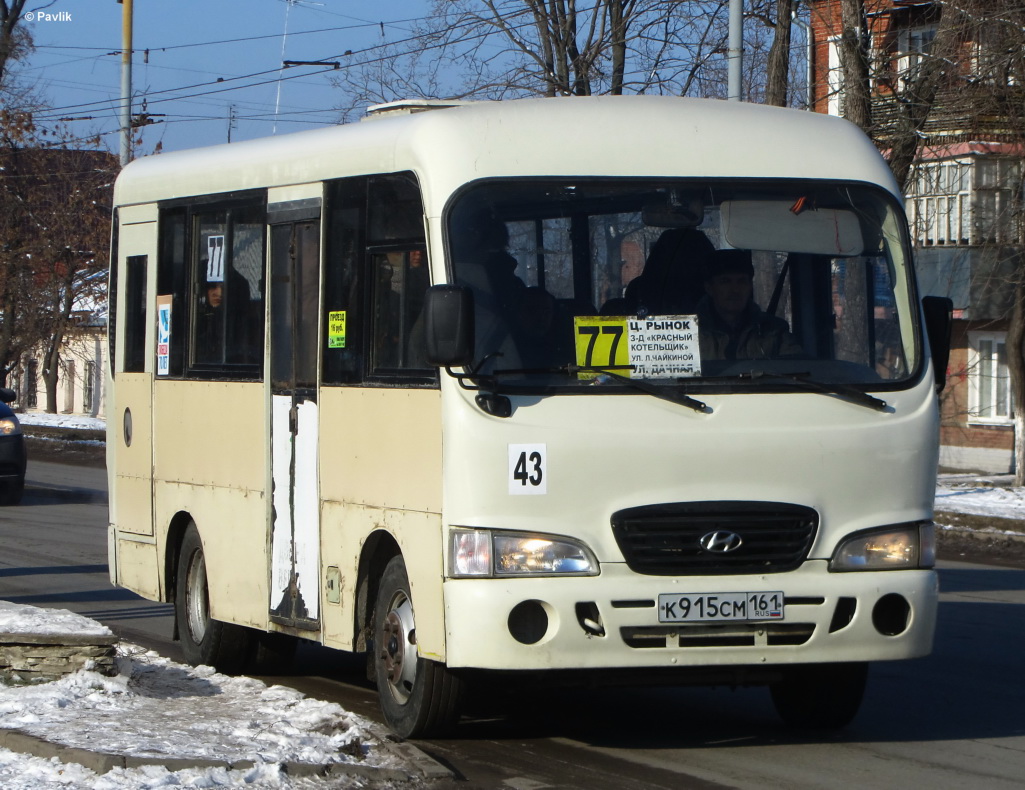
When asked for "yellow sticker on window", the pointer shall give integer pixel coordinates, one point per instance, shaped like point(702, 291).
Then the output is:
point(601, 343)
point(336, 329)
point(663, 346)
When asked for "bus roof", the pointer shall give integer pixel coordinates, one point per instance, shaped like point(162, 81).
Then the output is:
point(638, 136)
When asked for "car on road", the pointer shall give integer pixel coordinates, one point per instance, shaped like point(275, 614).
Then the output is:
point(13, 456)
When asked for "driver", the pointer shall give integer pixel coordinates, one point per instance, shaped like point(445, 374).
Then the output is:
point(730, 324)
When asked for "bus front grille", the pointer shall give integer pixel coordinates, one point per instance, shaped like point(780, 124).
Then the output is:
point(734, 635)
point(708, 538)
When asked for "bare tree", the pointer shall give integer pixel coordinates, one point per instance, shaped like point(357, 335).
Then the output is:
point(13, 38)
point(777, 77)
point(74, 204)
point(54, 220)
point(967, 83)
point(491, 50)
point(998, 28)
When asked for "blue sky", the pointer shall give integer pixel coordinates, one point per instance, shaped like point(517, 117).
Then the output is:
point(191, 45)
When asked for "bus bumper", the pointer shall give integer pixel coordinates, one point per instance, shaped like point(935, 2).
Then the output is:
point(612, 620)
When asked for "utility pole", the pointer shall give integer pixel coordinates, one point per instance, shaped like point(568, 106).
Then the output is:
point(126, 81)
point(735, 51)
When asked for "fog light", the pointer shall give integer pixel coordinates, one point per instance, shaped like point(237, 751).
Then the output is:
point(528, 622)
point(891, 614)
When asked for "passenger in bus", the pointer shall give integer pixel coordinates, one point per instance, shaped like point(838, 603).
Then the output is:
point(210, 323)
point(730, 324)
point(484, 264)
point(671, 282)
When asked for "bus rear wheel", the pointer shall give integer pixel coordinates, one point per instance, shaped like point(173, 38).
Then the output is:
point(419, 697)
point(223, 646)
point(820, 696)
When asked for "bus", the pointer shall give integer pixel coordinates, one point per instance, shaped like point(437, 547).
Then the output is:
point(604, 389)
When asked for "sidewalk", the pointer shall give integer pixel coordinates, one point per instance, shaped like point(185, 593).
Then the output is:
point(190, 727)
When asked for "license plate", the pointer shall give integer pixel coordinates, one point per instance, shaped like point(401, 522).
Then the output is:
point(720, 607)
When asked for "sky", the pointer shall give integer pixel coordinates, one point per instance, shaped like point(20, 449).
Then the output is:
point(199, 62)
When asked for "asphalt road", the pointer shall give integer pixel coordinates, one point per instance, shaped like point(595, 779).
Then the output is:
point(955, 719)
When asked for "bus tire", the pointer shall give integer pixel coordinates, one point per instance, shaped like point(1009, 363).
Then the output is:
point(419, 697)
point(820, 696)
point(223, 646)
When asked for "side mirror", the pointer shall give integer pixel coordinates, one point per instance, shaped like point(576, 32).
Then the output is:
point(448, 325)
point(7, 395)
point(939, 318)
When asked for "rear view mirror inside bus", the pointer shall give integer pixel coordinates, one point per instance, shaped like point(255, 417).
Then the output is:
point(788, 225)
point(448, 325)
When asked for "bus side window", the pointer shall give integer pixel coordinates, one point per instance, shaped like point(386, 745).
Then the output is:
point(400, 285)
point(376, 279)
point(398, 261)
point(135, 314)
point(227, 302)
point(171, 281)
point(210, 272)
point(343, 357)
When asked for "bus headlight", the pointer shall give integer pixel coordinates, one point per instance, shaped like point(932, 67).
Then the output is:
point(482, 552)
point(9, 426)
point(896, 547)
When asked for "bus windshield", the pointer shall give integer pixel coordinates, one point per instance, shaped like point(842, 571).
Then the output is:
point(584, 282)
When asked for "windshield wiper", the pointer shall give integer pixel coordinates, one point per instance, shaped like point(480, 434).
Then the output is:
point(493, 402)
point(804, 381)
point(663, 392)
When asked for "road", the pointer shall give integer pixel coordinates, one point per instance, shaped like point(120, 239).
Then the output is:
point(955, 719)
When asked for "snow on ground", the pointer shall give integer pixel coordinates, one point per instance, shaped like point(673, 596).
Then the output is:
point(981, 495)
point(158, 709)
point(62, 420)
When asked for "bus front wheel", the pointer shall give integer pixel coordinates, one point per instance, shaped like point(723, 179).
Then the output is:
point(419, 697)
point(204, 640)
point(820, 696)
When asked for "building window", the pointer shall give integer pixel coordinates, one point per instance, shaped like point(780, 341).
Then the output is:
point(997, 200)
point(939, 202)
point(989, 390)
point(914, 45)
point(965, 201)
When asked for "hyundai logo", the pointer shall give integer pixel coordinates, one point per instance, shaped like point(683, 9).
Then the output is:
point(721, 541)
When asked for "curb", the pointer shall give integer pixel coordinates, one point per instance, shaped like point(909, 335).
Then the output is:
point(420, 765)
point(983, 528)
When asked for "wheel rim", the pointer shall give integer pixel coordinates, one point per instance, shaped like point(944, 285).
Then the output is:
point(398, 648)
point(196, 606)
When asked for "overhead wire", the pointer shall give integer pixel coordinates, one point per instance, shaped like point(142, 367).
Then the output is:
point(195, 92)
point(221, 81)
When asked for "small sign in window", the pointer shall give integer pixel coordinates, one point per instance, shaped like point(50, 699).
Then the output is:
point(336, 329)
point(215, 259)
point(164, 335)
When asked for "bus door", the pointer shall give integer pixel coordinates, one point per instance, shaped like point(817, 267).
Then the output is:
point(295, 501)
point(130, 409)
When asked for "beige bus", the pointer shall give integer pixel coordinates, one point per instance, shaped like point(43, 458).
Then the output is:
point(562, 389)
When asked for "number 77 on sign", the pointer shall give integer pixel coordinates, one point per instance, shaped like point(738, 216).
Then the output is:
point(601, 342)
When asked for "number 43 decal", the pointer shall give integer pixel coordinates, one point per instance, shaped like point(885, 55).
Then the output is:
point(528, 469)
